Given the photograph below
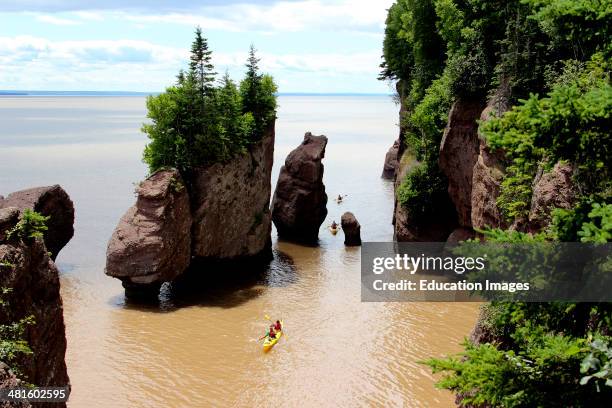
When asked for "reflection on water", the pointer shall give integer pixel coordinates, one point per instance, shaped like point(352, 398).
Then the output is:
point(201, 349)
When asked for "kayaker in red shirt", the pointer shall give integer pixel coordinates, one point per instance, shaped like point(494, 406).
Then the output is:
point(277, 326)
point(271, 332)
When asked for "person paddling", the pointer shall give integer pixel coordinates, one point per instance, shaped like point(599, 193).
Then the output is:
point(334, 225)
point(277, 326)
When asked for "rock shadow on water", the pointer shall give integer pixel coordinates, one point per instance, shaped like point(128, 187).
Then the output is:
point(209, 283)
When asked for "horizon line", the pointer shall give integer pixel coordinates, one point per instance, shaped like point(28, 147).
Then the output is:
point(20, 92)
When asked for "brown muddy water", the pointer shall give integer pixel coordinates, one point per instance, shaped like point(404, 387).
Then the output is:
point(203, 351)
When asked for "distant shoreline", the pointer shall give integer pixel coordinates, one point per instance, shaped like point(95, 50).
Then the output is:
point(127, 93)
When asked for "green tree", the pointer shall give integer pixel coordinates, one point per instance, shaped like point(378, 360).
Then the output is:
point(197, 122)
point(200, 65)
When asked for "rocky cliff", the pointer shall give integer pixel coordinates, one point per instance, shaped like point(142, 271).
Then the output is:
point(221, 213)
point(27, 269)
point(406, 226)
point(51, 201)
point(458, 155)
point(474, 173)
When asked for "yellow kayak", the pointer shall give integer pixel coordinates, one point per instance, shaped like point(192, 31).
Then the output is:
point(270, 342)
point(334, 231)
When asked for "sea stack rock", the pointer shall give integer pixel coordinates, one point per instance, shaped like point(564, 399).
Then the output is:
point(27, 269)
point(351, 229)
point(299, 206)
point(152, 243)
point(50, 201)
point(391, 161)
point(230, 203)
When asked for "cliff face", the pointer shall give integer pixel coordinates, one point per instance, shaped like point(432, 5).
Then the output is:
point(33, 279)
point(231, 205)
point(220, 214)
point(458, 154)
point(474, 174)
point(406, 228)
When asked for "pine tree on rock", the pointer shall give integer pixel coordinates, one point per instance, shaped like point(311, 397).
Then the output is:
point(201, 67)
point(250, 88)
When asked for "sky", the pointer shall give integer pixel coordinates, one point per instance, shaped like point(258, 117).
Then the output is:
point(312, 46)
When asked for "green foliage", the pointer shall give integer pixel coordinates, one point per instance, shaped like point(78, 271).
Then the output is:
point(423, 191)
point(31, 225)
point(412, 50)
point(196, 123)
point(505, 378)
point(579, 28)
point(553, 58)
point(12, 342)
point(397, 52)
point(572, 123)
point(598, 363)
point(425, 124)
point(532, 364)
point(200, 65)
point(598, 228)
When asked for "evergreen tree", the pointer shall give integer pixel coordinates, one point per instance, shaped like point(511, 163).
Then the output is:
point(197, 122)
point(251, 84)
point(201, 67)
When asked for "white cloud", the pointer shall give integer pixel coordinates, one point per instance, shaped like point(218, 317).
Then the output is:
point(88, 15)
point(28, 62)
point(284, 16)
point(56, 20)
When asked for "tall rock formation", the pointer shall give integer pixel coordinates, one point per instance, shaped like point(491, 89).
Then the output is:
point(351, 229)
point(33, 279)
point(231, 205)
point(50, 201)
point(152, 243)
point(299, 206)
point(221, 213)
point(391, 161)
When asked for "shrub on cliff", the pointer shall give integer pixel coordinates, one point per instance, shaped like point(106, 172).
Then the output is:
point(31, 225)
point(12, 342)
point(196, 122)
point(572, 123)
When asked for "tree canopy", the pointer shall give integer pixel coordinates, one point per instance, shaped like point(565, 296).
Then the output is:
point(200, 120)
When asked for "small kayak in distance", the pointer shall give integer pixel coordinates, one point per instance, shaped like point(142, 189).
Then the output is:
point(270, 342)
point(334, 231)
